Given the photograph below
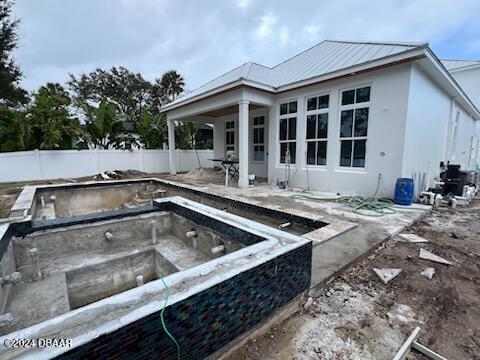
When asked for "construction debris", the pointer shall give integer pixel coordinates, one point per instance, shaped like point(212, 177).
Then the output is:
point(427, 255)
point(428, 273)
point(119, 175)
point(386, 274)
point(412, 238)
point(412, 343)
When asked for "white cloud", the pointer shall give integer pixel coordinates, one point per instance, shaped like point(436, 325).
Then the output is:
point(284, 36)
point(204, 39)
point(265, 28)
point(243, 3)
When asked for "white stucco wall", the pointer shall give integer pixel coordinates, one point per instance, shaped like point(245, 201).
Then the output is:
point(430, 130)
point(469, 80)
point(389, 96)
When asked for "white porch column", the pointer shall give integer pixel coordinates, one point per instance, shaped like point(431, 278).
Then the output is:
point(243, 144)
point(172, 160)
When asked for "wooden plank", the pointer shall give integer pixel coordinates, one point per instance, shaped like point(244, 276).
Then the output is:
point(426, 351)
point(405, 349)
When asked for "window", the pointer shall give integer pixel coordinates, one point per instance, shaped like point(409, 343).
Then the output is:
point(317, 130)
point(354, 117)
point(259, 138)
point(230, 136)
point(288, 131)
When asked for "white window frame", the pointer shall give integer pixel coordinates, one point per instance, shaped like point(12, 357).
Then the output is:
point(287, 116)
point(232, 130)
point(258, 126)
point(316, 140)
point(354, 106)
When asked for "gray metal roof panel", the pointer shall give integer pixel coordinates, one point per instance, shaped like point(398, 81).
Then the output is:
point(326, 57)
point(459, 64)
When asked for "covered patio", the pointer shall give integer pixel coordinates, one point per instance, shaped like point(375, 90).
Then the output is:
point(240, 119)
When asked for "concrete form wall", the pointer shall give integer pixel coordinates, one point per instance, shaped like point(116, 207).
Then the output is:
point(205, 322)
point(52, 164)
point(389, 94)
point(433, 133)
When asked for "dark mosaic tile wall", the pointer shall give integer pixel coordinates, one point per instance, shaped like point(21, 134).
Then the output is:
point(205, 322)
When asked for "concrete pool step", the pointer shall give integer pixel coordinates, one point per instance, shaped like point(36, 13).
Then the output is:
point(179, 254)
point(47, 212)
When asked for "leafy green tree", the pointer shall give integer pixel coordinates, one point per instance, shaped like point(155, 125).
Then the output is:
point(53, 125)
point(10, 74)
point(16, 130)
point(151, 130)
point(185, 135)
point(103, 127)
point(129, 92)
point(172, 84)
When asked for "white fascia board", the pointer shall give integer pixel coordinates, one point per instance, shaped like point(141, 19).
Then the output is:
point(461, 96)
point(219, 90)
point(406, 55)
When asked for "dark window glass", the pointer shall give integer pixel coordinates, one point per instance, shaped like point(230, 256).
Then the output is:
point(322, 128)
point(230, 137)
point(311, 153)
point(359, 147)
point(363, 94)
point(312, 104)
point(256, 136)
point(283, 149)
point(323, 101)
point(292, 107)
point(321, 153)
point(311, 122)
point(230, 124)
point(230, 148)
point(292, 146)
point(261, 135)
point(258, 152)
point(292, 128)
point(346, 122)
point(346, 153)
point(361, 122)
point(260, 120)
point(283, 129)
point(283, 109)
point(348, 97)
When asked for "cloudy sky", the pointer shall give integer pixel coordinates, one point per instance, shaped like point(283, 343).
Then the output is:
point(204, 38)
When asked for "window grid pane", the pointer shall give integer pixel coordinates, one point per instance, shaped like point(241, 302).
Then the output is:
point(346, 123)
point(346, 153)
point(322, 127)
point(321, 153)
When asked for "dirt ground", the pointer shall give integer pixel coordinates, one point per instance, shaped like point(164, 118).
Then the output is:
point(359, 317)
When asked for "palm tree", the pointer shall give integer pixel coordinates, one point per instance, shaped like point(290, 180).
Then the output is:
point(103, 126)
point(172, 84)
point(151, 129)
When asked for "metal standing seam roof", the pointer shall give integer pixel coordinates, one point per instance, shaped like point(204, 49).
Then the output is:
point(459, 64)
point(326, 57)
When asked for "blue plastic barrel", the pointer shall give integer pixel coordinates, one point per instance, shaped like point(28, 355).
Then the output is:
point(404, 189)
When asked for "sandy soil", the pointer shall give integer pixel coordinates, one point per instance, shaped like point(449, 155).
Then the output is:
point(359, 317)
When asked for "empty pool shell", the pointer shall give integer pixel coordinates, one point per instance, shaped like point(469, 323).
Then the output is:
point(254, 271)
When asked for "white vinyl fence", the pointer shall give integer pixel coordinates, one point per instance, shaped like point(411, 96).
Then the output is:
point(54, 164)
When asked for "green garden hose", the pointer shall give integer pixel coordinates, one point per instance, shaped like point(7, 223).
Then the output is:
point(368, 206)
point(167, 290)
